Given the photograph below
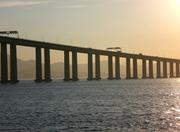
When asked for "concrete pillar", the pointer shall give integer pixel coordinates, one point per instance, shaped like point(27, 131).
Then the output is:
point(117, 67)
point(165, 69)
point(47, 65)
point(171, 70)
point(177, 69)
point(144, 75)
point(151, 69)
point(135, 72)
point(128, 68)
point(90, 67)
point(4, 63)
point(38, 65)
point(110, 67)
point(13, 63)
point(74, 66)
point(98, 70)
point(158, 69)
point(66, 66)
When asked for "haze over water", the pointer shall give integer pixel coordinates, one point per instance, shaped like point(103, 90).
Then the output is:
point(125, 105)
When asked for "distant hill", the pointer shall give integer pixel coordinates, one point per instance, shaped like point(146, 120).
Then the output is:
point(26, 69)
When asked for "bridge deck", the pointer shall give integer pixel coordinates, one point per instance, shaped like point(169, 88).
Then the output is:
point(55, 46)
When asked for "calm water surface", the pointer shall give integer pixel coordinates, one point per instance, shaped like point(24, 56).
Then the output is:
point(126, 105)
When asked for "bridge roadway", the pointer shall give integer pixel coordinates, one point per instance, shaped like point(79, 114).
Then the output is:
point(38, 45)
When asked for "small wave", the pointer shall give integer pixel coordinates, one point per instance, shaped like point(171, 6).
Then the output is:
point(168, 112)
point(175, 109)
point(177, 118)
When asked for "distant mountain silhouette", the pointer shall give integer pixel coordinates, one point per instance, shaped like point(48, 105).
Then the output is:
point(26, 69)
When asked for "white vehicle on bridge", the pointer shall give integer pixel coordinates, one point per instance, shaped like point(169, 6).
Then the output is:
point(8, 33)
point(115, 49)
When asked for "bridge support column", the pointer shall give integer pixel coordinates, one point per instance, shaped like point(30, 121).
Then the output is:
point(165, 69)
point(74, 66)
point(158, 69)
point(38, 65)
point(171, 70)
point(66, 66)
point(128, 68)
point(110, 68)
point(47, 65)
point(90, 67)
point(177, 69)
point(13, 63)
point(144, 76)
point(98, 74)
point(135, 73)
point(151, 69)
point(4, 63)
point(117, 67)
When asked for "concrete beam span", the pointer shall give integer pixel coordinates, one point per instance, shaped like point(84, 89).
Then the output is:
point(55, 46)
point(67, 49)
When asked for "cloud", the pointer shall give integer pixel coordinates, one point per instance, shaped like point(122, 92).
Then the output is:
point(74, 6)
point(18, 3)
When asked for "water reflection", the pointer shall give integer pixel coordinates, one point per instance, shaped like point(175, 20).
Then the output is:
point(126, 105)
point(173, 113)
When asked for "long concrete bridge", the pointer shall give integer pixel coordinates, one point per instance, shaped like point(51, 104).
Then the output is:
point(14, 42)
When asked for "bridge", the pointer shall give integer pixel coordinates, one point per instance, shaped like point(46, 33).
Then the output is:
point(14, 42)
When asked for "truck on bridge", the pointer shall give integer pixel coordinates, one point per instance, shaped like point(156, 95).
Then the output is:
point(9, 32)
point(116, 49)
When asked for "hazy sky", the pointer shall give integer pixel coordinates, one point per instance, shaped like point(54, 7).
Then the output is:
point(147, 26)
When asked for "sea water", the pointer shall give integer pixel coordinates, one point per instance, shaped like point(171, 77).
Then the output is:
point(117, 105)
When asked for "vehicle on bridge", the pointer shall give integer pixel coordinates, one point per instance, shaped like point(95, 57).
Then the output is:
point(115, 49)
point(9, 32)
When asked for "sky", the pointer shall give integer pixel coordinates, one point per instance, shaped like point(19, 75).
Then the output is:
point(150, 27)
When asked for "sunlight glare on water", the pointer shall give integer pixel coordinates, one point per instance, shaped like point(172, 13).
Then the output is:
point(125, 105)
